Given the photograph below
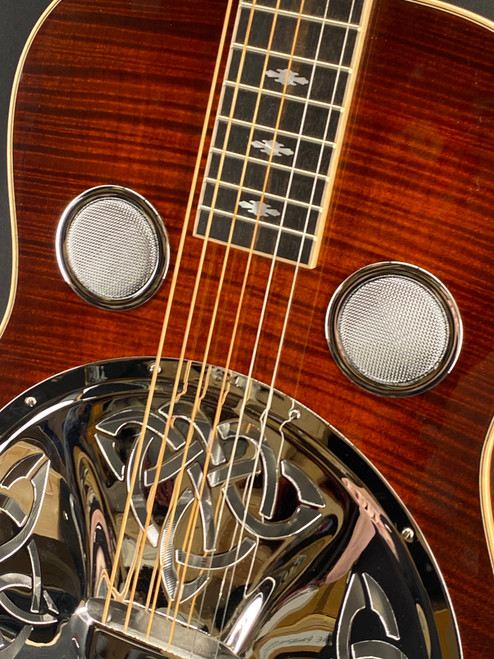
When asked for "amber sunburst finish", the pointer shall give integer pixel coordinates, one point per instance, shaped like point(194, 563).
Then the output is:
point(114, 92)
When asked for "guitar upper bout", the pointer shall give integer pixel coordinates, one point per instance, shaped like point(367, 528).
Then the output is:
point(13, 53)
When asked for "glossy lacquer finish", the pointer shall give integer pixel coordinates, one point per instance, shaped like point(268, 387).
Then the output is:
point(115, 92)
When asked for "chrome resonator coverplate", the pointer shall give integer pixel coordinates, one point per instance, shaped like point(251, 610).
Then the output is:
point(314, 556)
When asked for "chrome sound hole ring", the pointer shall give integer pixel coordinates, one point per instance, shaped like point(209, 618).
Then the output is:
point(394, 329)
point(112, 247)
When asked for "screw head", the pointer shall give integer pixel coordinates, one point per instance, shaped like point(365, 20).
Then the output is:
point(408, 534)
point(152, 366)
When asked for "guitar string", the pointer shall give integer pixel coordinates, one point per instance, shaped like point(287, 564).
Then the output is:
point(192, 524)
point(152, 495)
point(154, 575)
point(318, 169)
point(182, 393)
point(189, 550)
point(196, 405)
point(188, 442)
point(347, 31)
point(156, 369)
point(193, 517)
point(242, 526)
point(264, 418)
point(213, 426)
point(297, 268)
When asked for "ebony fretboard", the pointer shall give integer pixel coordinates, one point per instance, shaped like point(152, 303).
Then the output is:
point(276, 130)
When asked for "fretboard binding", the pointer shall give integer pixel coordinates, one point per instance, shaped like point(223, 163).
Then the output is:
point(254, 220)
point(270, 92)
point(295, 58)
point(274, 165)
point(296, 14)
point(279, 131)
point(257, 193)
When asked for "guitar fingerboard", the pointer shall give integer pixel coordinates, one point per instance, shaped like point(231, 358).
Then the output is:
point(276, 134)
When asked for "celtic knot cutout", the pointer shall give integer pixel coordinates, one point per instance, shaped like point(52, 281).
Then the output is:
point(363, 593)
point(42, 610)
point(224, 472)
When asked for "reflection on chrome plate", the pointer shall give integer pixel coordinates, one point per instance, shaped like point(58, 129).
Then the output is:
point(252, 531)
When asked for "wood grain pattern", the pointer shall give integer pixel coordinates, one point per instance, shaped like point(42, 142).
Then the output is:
point(114, 92)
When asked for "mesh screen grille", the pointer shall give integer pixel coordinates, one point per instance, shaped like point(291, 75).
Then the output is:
point(112, 248)
point(393, 330)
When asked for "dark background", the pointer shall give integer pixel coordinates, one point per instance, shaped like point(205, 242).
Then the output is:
point(17, 18)
point(483, 7)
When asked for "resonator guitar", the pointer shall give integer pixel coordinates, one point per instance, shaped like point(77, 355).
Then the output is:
point(247, 359)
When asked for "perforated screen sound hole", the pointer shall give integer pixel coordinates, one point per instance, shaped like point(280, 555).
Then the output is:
point(112, 247)
point(394, 329)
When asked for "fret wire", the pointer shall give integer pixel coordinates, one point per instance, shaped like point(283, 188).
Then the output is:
point(253, 191)
point(307, 243)
point(296, 58)
point(282, 133)
point(274, 165)
point(294, 14)
point(232, 343)
point(307, 101)
point(271, 92)
point(349, 32)
point(260, 222)
point(320, 219)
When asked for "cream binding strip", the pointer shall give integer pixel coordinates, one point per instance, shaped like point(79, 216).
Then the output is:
point(486, 497)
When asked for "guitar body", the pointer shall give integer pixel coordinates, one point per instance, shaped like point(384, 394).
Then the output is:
point(114, 93)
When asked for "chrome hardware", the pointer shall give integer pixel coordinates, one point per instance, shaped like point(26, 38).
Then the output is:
point(310, 540)
point(136, 629)
point(152, 366)
point(362, 589)
point(408, 534)
point(112, 247)
point(394, 329)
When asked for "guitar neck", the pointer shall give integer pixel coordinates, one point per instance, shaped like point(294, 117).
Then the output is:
point(280, 126)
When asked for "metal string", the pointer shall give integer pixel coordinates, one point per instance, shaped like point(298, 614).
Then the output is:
point(193, 516)
point(293, 286)
point(196, 406)
point(291, 296)
point(164, 329)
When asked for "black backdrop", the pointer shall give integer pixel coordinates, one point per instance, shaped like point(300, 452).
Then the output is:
point(17, 18)
point(483, 7)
